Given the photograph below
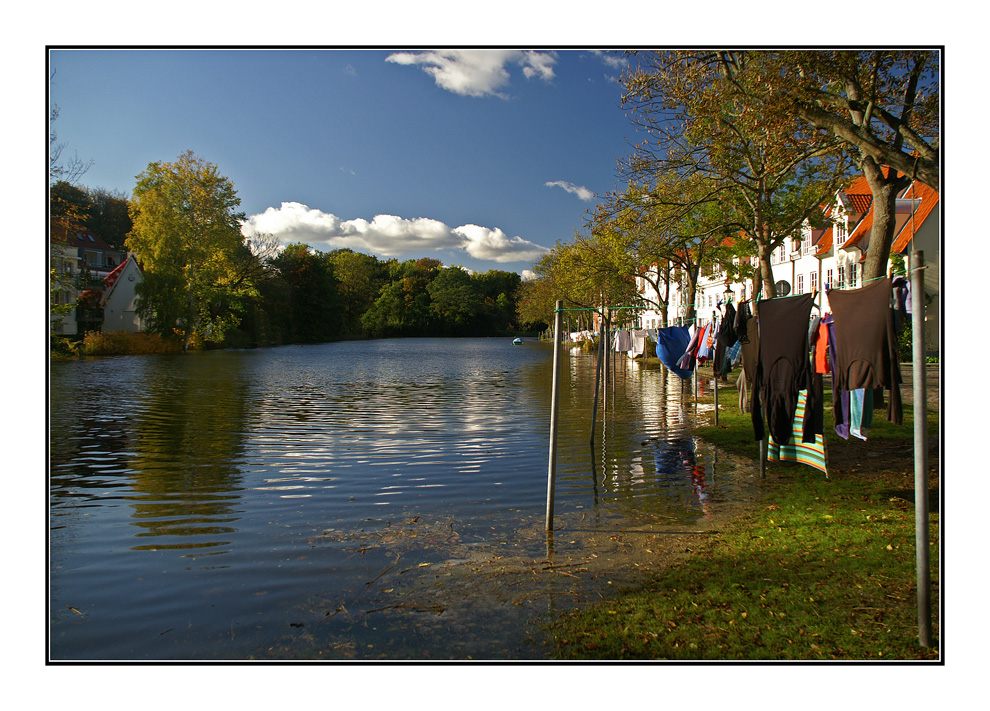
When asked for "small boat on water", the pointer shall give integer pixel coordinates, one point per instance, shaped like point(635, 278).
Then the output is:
point(517, 342)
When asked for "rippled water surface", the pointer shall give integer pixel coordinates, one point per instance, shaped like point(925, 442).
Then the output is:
point(339, 500)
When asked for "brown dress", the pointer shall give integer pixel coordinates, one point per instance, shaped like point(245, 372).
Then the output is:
point(784, 368)
point(866, 343)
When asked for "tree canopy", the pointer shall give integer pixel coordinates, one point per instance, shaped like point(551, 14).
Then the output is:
point(186, 234)
point(763, 173)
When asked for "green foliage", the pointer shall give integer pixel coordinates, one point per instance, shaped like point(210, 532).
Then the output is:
point(360, 278)
point(62, 348)
point(108, 217)
point(186, 234)
point(313, 310)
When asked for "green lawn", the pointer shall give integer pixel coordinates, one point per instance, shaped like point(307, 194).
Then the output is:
point(823, 568)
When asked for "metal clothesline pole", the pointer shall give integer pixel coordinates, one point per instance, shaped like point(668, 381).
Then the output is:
point(919, 374)
point(554, 408)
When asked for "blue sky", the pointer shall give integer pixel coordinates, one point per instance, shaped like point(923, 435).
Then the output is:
point(483, 158)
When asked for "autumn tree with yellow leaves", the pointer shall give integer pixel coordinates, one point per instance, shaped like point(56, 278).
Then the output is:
point(187, 237)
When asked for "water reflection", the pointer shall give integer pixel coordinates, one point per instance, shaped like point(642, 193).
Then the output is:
point(188, 444)
point(300, 474)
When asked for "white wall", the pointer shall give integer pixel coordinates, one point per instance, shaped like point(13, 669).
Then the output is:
point(120, 308)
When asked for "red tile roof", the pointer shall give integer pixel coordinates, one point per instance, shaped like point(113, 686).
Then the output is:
point(79, 237)
point(861, 230)
point(112, 277)
point(861, 203)
point(929, 199)
point(860, 186)
point(824, 244)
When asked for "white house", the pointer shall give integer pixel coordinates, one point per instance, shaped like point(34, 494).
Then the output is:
point(832, 256)
point(119, 299)
point(64, 262)
point(85, 260)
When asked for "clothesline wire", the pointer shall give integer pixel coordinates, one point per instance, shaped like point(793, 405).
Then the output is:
point(906, 271)
point(597, 309)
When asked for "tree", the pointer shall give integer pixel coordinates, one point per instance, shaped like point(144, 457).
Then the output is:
point(108, 216)
point(66, 211)
point(703, 114)
point(885, 106)
point(499, 291)
point(314, 313)
point(360, 278)
point(455, 302)
point(403, 306)
point(186, 234)
point(667, 230)
point(580, 274)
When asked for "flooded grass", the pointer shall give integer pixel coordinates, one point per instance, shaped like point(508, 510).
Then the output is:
point(822, 569)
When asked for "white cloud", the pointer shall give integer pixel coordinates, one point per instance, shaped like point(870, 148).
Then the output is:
point(495, 245)
point(528, 275)
point(388, 235)
point(579, 190)
point(477, 72)
point(613, 60)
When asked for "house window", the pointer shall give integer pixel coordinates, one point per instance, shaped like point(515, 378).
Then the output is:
point(814, 281)
point(852, 275)
point(828, 278)
point(800, 283)
point(842, 276)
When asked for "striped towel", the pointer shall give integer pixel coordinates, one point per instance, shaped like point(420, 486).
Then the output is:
point(794, 450)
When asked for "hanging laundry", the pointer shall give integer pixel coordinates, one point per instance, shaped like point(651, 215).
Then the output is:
point(706, 349)
point(742, 388)
point(860, 412)
point(741, 322)
point(820, 345)
point(784, 368)
point(637, 343)
point(686, 361)
point(671, 344)
point(902, 302)
point(727, 328)
point(814, 454)
point(840, 397)
point(734, 353)
point(750, 349)
point(866, 343)
point(621, 341)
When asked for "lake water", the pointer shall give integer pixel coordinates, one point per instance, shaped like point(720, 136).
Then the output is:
point(356, 500)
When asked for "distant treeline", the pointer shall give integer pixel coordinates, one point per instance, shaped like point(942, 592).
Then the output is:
point(307, 296)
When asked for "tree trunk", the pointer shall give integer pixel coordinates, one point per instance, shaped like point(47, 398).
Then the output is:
point(666, 295)
point(691, 277)
point(764, 251)
point(885, 191)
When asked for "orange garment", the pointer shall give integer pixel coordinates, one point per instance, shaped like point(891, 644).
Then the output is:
point(821, 349)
